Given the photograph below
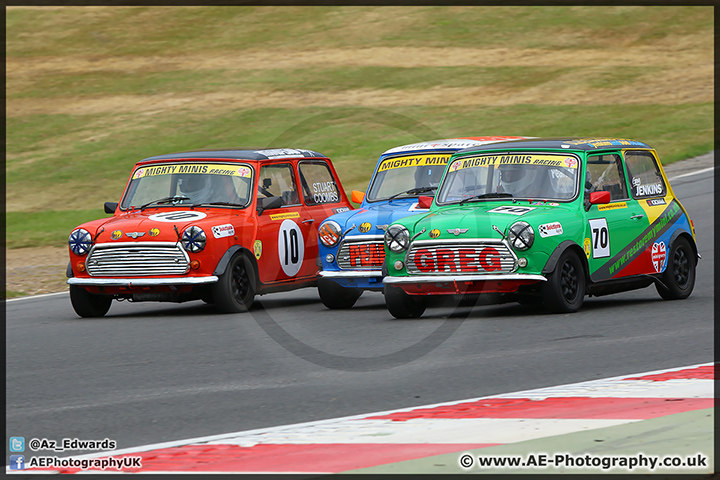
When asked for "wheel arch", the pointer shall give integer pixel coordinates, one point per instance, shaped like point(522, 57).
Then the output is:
point(249, 256)
point(559, 250)
point(681, 232)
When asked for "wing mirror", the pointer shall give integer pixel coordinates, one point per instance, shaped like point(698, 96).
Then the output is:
point(268, 203)
point(357, 196)
point(599, 198)
point(424, 202)
point(110, 207)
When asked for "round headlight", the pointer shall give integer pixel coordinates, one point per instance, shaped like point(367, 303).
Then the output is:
point(194, 239)
point(329, 233)
point(521, 235)
point(80, 241)
point(397, 238)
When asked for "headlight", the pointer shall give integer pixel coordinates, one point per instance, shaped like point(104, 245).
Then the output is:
point(329, 233)
point(80, 241)
point(521, 235)
point(397, 238)
point(194, 239)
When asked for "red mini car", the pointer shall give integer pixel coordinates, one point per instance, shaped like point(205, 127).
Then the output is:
point(220, 226)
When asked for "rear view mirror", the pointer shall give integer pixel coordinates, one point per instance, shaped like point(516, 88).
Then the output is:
point(357, 196)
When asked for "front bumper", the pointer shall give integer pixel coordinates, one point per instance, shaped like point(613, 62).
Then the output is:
point(350, 274)
point(462, 284)
point(140, 282)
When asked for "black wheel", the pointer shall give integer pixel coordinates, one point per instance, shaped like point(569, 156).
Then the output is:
point(564, 290)
point(402, 305)
point(335, 296)
point(87, 304)
point(234, 292)
point(679, 275)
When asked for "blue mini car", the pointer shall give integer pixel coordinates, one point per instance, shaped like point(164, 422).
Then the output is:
point(351, 249)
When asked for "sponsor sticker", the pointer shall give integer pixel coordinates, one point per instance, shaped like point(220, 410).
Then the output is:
point(177, 216)
point(280, 152)
point(197, 168)
point(612, 206)
point(654, 202)
point(364, 227)
point(257, 249)
point(340, 209)
point(587, 247)
point(414, 161)
point(283, 216)
point(116, 234)
point(512, 210)
point(550, 229)
point(220, 231)
point(545, 204)
point(434, 233)
point(154, 232)
point(659, 255)
point(488, 160)
point(636, 181)
point(571, 162)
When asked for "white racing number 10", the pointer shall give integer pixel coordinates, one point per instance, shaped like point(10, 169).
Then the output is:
point(291, 247)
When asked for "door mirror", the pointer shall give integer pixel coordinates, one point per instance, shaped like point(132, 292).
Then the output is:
point(424, 202)
point(268, 203)
point(599, 198)
point(110, 207)
point(357, 196)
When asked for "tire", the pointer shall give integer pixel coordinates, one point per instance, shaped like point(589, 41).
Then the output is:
point(402, 305)
point(89, 305)
point(564, 289)
point(334, 296)
point(679, 275)
point(234, 292)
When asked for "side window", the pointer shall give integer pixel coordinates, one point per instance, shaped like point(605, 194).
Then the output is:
point(318, 184)
point(604, 173)
point(278, 181)
point(645, 176)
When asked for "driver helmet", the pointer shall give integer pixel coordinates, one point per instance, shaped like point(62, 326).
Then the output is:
point(429, 176)
point(197, 187)
point(516, 179)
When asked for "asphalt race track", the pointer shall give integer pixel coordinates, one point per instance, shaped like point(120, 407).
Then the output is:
point(151, 372)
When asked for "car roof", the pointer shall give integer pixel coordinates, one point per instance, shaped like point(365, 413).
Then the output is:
point(239, 154)
point(456, 143)
point(564, 143)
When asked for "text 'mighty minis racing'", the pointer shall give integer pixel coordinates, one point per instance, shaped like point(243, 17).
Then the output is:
point(351, 243)
point(544, 220)
point(221, 226)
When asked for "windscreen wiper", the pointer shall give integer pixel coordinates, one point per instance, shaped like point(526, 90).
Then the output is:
point(412, 191)
point(173, 199)
point(486, 195)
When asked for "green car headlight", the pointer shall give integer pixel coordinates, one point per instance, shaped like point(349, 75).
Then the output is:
point(194, 239)
point(397, 238)
point(521, 235)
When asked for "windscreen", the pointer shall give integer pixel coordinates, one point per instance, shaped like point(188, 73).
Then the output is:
point(527, 176)
point(408, 175)
point(190, 184)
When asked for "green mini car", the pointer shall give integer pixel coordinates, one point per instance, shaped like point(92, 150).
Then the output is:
point(543, 220)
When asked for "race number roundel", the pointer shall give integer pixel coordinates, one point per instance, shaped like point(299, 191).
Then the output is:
point(177, 216)
point(291, 247)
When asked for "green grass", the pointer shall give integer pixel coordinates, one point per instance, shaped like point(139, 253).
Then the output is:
point(60, 168)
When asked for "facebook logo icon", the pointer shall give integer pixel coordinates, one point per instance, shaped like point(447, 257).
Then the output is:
point(17, 462)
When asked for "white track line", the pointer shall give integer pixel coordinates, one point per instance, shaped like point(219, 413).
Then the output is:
point(696, 172)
